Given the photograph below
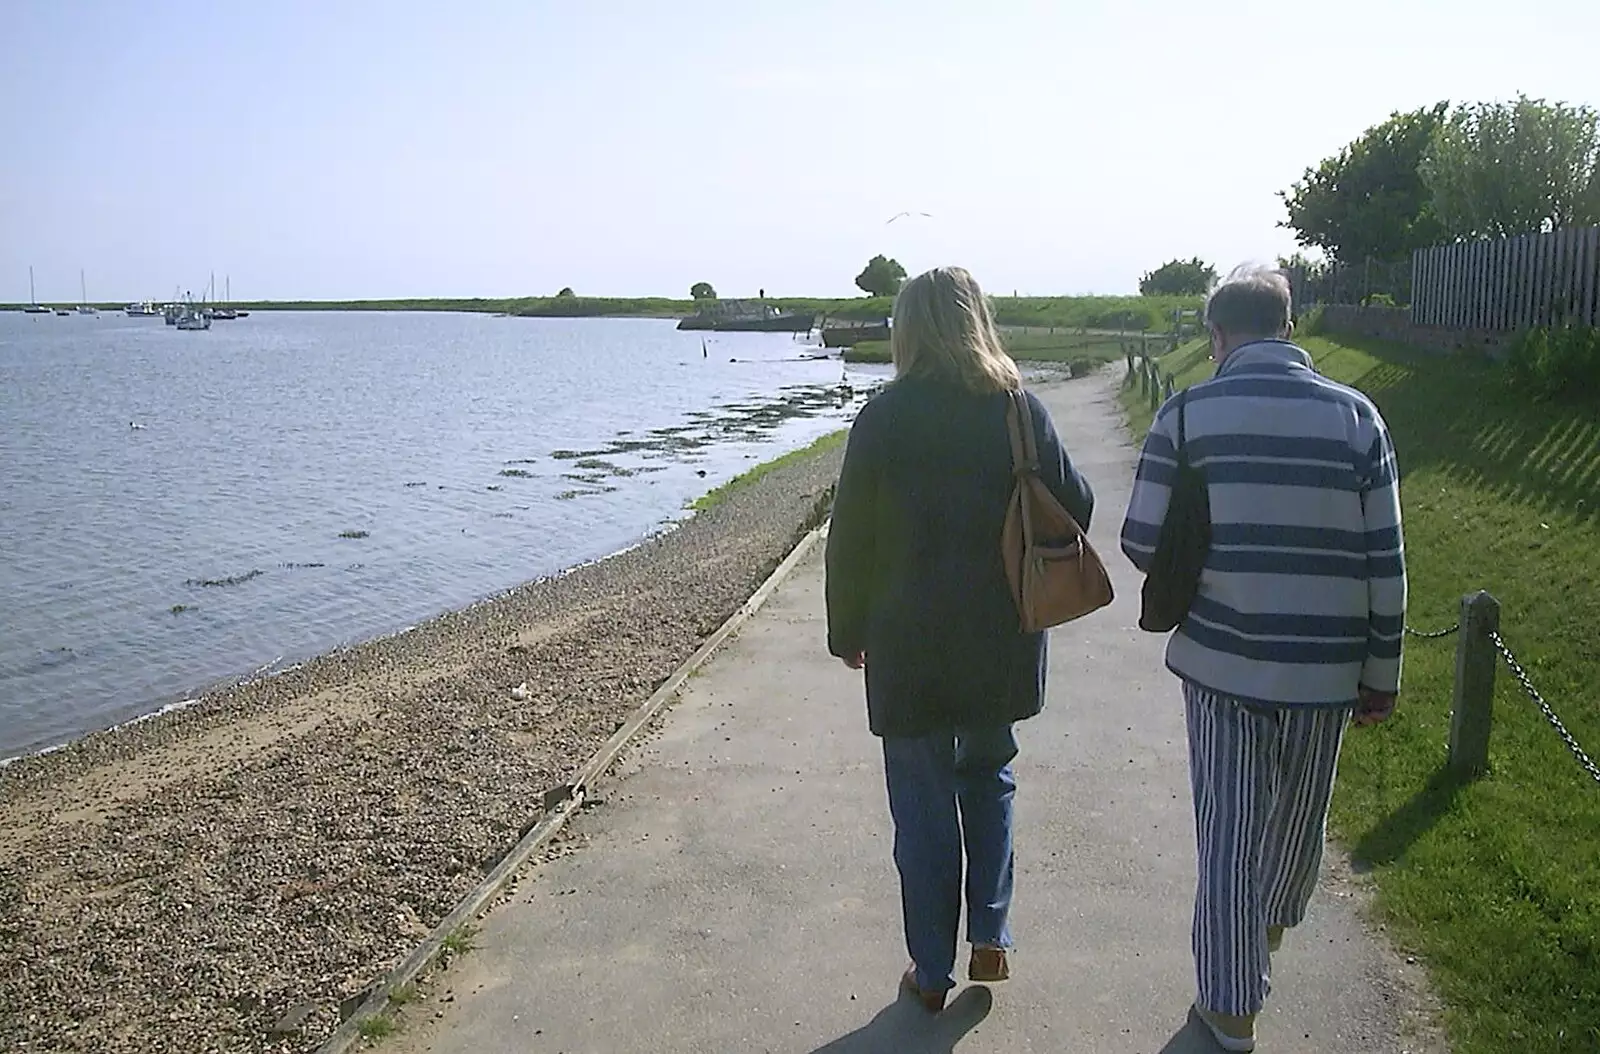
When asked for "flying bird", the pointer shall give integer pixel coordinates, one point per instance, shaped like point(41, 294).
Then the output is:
point(897, 215)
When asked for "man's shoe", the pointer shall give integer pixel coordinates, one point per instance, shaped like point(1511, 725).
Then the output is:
point(988, 964)
point(1232, 1032)
point(1275, 939)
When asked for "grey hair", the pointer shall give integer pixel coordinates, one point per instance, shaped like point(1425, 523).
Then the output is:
point(1253, 301)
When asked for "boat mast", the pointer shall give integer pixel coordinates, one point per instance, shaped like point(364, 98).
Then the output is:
point(32, 296)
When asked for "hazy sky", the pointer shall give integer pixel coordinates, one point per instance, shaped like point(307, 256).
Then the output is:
point(340, 149)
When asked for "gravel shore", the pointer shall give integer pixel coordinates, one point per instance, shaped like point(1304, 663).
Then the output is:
point(199, 880)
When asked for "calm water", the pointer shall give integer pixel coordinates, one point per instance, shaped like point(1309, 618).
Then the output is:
point(474, 452)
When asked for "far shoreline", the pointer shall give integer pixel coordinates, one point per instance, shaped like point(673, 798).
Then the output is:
point(1131, 313)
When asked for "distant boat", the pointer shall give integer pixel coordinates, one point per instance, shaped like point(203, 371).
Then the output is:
point(144, 309)
point(193, 316)
point(34, 307)
point(194, 319)
point(62, 311)
point(83, 304)
point(850, 336)
point(170, 313)
point(225, 314)
point(727, 316)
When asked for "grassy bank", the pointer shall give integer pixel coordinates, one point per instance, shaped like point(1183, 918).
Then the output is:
point(744, 479)
point(1083, 351)
point(1495, 883)
point(548, 306)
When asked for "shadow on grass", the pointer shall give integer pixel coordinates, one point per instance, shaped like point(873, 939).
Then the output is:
point(1459, 413)
point(904, 1027)
point(1397, 832)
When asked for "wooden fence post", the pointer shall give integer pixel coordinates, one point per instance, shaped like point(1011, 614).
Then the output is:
point(1473, 701)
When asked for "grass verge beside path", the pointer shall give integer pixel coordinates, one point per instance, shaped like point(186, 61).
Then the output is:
point(744, 479)
point(1495, 883)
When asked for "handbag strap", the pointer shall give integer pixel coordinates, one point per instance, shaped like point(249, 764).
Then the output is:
point(1183, 454)
point(1024, 455)
point(1024, 443)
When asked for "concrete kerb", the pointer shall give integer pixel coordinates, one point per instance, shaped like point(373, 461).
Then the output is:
point(560, 804)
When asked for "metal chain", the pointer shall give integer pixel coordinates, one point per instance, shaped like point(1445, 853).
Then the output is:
point(1434, 634)
point(1550, 715)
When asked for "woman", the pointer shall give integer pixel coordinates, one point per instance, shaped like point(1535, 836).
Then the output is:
point(918, 597)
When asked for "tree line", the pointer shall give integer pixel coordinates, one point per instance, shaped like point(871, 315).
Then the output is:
point(1442, 173)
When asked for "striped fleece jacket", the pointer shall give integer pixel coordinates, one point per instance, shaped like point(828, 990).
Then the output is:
point(1303, 595)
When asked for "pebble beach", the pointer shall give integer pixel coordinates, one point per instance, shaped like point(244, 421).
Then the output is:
point(227, 876)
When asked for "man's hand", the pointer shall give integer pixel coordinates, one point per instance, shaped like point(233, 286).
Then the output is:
point(1373, 707)
point(857, 661)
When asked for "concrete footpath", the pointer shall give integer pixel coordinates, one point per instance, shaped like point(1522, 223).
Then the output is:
point(734, 891)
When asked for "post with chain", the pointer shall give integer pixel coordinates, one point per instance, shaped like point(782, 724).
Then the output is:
point(1473, 703)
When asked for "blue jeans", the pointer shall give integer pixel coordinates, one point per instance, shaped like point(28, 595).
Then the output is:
point(945, 790)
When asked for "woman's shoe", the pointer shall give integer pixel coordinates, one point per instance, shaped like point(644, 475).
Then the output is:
point(931, 1001)
point(988, 964)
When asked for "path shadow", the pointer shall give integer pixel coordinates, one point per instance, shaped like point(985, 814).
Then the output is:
point(903, 1027)
point(1398, 831)
point(1192, 1038)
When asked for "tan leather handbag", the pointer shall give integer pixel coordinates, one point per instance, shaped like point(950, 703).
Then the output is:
point(1055, 574)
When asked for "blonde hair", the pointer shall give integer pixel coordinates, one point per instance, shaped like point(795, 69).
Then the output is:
point(943, 330)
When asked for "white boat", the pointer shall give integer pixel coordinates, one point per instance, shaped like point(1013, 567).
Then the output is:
point(83, 304)
point(144, 309)
point(34, 307)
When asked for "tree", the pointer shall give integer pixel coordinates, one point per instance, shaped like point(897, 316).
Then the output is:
point(881, 277)
point(1179, 278)
point(566, 291)
point(1369, 200)
point(702, 291)
point(1498, 169)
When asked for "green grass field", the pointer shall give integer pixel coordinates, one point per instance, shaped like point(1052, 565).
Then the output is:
point(1496, 884)
point(1083, 351)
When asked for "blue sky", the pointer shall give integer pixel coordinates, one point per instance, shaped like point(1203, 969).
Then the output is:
point(345, 149)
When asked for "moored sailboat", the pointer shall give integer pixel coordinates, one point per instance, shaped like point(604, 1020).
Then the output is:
point(34, 307)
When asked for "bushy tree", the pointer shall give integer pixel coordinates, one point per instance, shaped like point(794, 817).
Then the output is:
point(1369, 200)
point(702, 291)
point(1499, 169)
point(1179, 278)
point(881, 277)
point(566, 291)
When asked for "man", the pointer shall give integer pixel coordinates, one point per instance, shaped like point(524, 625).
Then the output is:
point(1296, 627)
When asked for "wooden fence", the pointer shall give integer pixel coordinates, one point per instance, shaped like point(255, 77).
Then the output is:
point(1546, 279)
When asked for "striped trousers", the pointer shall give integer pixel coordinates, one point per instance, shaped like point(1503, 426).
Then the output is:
point(1262, 780)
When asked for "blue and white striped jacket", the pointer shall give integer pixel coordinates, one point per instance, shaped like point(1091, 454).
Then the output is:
point(1303, 595)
